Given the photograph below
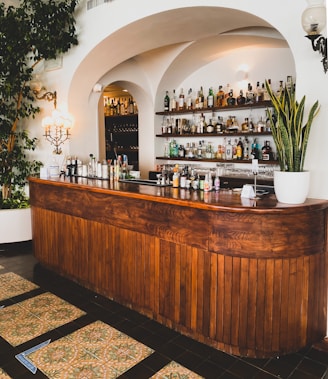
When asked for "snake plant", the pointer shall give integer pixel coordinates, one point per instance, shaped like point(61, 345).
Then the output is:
point(289, 133)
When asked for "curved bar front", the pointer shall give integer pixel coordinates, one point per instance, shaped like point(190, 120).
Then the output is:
point(247, 277)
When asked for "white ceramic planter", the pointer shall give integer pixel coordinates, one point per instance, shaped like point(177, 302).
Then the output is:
point(15, 225)
point(291, 187)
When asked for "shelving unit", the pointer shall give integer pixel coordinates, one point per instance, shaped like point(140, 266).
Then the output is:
point(214, 135)
point(121, 133)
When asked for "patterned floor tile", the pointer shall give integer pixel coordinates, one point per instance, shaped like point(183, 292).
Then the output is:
point(95, 351)
point(31, 318)
point(3, 375)
point(12, 285)
point(175, 371)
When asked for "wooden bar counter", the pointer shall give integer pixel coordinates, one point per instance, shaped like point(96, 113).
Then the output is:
point(246, 277)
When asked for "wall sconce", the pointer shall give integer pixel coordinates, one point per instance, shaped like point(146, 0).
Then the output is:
point(57, 126)
point(313, 22)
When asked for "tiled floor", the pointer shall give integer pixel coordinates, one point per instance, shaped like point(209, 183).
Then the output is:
point(167, 346)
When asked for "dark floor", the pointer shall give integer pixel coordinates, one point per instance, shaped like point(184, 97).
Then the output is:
point(310, 363)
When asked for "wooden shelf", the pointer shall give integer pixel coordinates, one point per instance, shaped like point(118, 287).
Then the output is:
point(216, 160)
point(262, 104)
point(239, 134)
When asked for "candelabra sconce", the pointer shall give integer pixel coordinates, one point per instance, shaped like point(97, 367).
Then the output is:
point(313, 22)
point(57, 128)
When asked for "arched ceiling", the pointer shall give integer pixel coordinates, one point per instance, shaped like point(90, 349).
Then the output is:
point(203, 32)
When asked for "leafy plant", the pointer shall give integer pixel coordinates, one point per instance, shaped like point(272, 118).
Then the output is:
point(30, 33)
point(289, 133)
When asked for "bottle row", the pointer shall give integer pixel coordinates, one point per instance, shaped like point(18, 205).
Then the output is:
point(223, 97)
point(199, 125)
point(119, 106)
point(116, 169)
point(237, 149)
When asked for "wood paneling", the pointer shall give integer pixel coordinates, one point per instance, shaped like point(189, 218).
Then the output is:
point(247, 283)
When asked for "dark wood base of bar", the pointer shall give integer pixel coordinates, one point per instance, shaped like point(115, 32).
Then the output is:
point(248, 283)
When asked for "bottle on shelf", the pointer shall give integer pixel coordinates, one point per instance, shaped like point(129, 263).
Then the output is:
point(246, 154)
point(250, 96)
point(240, 149)
point(181, 100)
point(245, 125)
point(228, 150)
point(131, 106)
point(241, 99)
point(234, 149)
point(210, 98)
point(173, 102)
point(201, 98)
point(267, 154)
point(231, 100)
point(258, 93)
point(189, 99)
point(166, 102)
point(220, 97)
point(255, 153)
point(226, 95)
point(266, 96)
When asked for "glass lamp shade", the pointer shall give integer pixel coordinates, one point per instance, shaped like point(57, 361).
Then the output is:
point(314, 17)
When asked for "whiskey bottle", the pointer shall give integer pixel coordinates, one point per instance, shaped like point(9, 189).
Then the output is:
point(267, 151)
point(240, 150)
point(241, 98)
point(220, 97)
point(231, 100)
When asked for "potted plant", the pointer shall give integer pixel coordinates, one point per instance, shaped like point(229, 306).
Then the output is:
point(33, 31)
point(290, 134)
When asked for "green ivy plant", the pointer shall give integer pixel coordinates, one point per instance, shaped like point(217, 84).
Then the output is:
point(289, 132)
point(33, 31)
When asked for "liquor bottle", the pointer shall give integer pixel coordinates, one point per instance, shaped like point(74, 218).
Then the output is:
point(255, 154)
point(112, 109)
point(267, 151)
point(241, 99)
point(228, 150)
point(189, 99)
point(210, 98)
point(176, 177)
point(258, 93)
point(245, 125)
point(181, 151)
point(118, 107)
point(210, 127)
point(234, 149)
point(250, 96)
point(240, 149)
point(220, 97)
point(131, 106)
point(173, 102)
point(181, 100)
point(201, 98)
point(266, 96)
point(226, 95)
point(280, 90)
point(231, 100)
point(166, 102)
point(246, 149)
